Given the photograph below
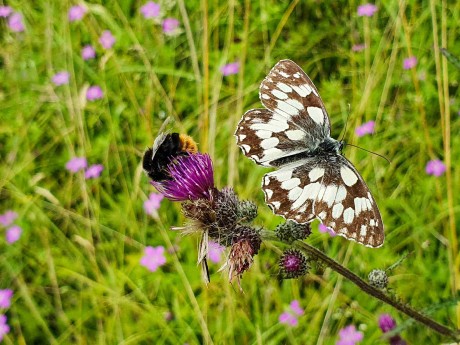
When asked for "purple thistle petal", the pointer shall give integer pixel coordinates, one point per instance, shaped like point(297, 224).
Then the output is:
point(192, 178)
point(386, 323)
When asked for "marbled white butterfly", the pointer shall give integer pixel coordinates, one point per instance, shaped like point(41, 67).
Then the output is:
point(313, 179)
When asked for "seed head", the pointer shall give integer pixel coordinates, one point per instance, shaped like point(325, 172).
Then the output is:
point(378, 279)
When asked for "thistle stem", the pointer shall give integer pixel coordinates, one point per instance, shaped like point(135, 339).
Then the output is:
point(367, 288)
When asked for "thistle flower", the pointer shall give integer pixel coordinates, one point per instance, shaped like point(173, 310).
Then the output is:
point(387, 324)
point(378, 279)
point(246, 245)
point(293, 264)
point(291, 231)
point(192, 178)
point(246, 211)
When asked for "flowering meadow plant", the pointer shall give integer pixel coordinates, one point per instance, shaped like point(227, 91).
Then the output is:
point(93, 250)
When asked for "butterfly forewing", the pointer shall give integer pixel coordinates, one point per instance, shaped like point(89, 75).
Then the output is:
point(313, 180)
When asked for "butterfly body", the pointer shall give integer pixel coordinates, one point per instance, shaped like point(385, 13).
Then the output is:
point(313, 179)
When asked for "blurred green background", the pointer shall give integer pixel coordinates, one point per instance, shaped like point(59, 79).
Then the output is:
point(75, 270)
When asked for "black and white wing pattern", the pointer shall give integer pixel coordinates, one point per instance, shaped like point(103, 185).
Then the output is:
point(313, 179)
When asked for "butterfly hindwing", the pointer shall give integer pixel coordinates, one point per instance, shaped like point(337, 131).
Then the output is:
point(329, 189)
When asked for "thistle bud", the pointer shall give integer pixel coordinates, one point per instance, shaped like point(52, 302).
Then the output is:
point(291, 231)
point(378, 279)
point(293, 263)
point(247, 211)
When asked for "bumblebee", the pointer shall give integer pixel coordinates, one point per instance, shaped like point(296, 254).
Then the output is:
point(165, 148)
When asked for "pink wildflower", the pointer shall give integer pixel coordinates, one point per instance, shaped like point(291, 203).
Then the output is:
point(153, 258)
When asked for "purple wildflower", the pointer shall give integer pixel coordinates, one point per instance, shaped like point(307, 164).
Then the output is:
point(410, 62)
point(349, 336)
point(5, 298)
point(295, 307)
point(88, 52)
point(325, 229)
point(358, 47)
point(76, 164)
point(367, 10)
point(435, 167)
point(386, 323)
point(8, 218)
point(150, 10)
point(94, 92)
point(107, 40)
point(288, 319)
point(15, 22)
point(5, 11)
point(291, 317)
point(215, 251)
point(153, 203)
point(170, 25)
point(61, 78)
point(153, 258)
point(365, 128)
point(77, 13)
point(94, 171)
point(231, 68)
point(4, 328)
point(13, 234)
point(191, 178)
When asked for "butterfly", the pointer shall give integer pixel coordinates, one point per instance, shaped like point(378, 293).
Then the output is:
point(313, 180)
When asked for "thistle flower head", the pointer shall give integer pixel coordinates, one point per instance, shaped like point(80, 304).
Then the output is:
point(291, 231)
point(191, 178)
point(246, 244)
point(378, 279)
point(246, 211)
point(293, 263)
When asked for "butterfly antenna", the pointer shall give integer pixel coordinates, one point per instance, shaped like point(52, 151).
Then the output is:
point(375, 153)
point(346, 122)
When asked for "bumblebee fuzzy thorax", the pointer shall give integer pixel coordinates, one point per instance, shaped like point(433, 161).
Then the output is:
point(165, 148)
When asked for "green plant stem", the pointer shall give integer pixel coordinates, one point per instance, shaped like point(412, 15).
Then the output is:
point(367, 288)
